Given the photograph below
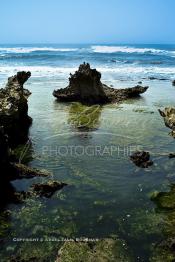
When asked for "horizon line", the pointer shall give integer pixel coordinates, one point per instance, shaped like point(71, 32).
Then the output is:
point(88, 43)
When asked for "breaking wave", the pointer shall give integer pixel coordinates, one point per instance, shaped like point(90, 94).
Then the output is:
point(23, 50)
point(130, 50)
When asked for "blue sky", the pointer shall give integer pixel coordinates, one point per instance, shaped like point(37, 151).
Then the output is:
point(87, 21)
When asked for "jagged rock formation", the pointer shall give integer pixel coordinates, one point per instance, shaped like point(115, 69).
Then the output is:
point(85, 86)
point(14, 109)
point(15, 122)
point(169, 118)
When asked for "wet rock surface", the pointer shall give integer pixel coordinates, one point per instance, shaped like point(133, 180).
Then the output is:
point(168, 115)
point(85, 86)
point(14, 109)
point(141, 159)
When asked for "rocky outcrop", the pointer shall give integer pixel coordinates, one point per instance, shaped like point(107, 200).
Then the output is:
point(141, 159)
point(85, 86)
point(168, 115)
point(14, 109)
point(173, 82)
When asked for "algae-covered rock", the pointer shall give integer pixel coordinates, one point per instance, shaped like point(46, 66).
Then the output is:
point(168, 115)
point(105, 250)
point(85, 86)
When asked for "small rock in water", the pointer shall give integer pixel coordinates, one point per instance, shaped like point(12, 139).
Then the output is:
point(141, 159)
point(171, 155)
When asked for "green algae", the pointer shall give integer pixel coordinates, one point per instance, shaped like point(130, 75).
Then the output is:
point(106, 250)
point(81, 116)
point(4, 223)
point(165, 202)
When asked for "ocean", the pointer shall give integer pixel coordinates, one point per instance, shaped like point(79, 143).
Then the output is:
point(120, 62)
point(107, 195)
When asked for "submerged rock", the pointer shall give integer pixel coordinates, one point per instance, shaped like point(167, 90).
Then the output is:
point(84, 117)
point(165, 200)
point(85, 86)
point(39, 190)
point(47, 189)
point(169, 118)
point(141, 159)
point(14, 109)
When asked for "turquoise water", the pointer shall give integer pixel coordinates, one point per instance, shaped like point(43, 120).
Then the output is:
point(107, 195)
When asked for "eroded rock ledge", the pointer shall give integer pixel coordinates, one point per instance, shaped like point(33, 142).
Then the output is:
point(85, 86)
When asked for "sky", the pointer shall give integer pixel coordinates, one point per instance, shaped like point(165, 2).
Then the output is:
point(87, 21)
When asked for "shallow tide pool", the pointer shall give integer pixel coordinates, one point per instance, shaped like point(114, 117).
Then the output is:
point(89, 148)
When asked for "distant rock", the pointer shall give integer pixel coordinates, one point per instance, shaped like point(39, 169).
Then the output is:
point(157, 78)
point(14, 109)
point(173, 82)
point(85, 86)
point(141, 159)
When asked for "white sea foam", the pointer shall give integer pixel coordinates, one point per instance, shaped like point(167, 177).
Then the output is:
point(23, 50)
point(48, 71)
point(38, 71)
point(125, 49)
